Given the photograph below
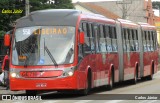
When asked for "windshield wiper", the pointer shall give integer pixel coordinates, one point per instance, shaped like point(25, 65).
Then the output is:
point(26, 61)
point(51, 56)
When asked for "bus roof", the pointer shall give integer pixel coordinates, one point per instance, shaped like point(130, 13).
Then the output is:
point(55, 17)
point(127, 23)
point(50, 17)
point(146, 26)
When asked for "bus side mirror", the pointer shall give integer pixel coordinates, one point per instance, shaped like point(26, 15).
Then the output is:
point(6, 40)
point(81, 38)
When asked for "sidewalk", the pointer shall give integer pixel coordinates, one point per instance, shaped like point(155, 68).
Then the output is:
point(4, 91)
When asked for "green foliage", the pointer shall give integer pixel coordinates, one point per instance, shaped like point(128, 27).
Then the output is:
point(63, 4)
point(2, 34)
point(6, 19)
point(156, 5)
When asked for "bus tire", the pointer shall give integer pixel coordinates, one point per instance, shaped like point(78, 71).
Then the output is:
point(88, 84)
point(111, 84)
point(31, 92)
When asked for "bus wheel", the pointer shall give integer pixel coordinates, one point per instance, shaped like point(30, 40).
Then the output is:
point(31, 92)
point(111, 84)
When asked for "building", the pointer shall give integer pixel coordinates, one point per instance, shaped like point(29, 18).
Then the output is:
point(134, 10)
point(157, 24)
point(92, 8)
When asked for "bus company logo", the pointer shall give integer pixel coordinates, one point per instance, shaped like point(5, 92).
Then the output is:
point(6, 97)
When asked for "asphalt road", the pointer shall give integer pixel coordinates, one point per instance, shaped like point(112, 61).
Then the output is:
point(122, 93)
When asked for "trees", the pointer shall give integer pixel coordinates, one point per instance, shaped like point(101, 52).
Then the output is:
point(6, 19)
point(62, 4)
point(156, 5)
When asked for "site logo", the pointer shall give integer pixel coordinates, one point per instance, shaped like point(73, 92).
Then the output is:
point(6, 97)
point(14, 97)
point(12, 11)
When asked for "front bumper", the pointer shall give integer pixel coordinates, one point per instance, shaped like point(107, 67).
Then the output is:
point(65, 83)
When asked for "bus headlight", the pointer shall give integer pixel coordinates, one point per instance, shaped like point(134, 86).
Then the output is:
point(13, 75)
point(69, 71)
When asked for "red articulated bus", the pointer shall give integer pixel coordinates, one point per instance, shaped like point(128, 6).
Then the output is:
point(70, 50)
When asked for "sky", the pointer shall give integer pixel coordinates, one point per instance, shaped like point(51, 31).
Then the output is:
point(97, 0)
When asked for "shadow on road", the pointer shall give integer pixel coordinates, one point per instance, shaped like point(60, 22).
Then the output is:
point(94, 93)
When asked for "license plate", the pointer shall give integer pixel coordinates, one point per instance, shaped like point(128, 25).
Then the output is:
point(30, 74)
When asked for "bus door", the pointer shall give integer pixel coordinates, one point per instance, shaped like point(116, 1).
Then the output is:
point(89, 46)
point(127, 55)
point(146, 54)
point(102, 58)
point(99, 64)
point(88, 50)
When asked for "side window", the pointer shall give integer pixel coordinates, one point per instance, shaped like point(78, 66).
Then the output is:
point(131, 36)
point(135, 38)
point(102, 41)
point(148, 41)
point(127, 40)
point(114, 40)
point(144, 41)
point(87, 45)
point(151, 40)
point(92, 37)
point(97, 36)
point(155, 40)
point(108, 38)
point(124, 40)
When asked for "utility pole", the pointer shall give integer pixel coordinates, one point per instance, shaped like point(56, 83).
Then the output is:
point(124, 4)
point(27, 7)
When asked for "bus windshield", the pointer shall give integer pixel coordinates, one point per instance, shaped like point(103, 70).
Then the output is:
point(30, 43)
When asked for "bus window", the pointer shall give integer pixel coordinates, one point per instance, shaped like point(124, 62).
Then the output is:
point(136, 40)
point(97, 36)
point(131, 37)
point(92, 37)
point(114, 40)
point(148, 41)
point(107, 31)
point(102, 41)
point(151, 41)
point(155, 40)
point(127, 40)
point(124, 40)
point(86, 46)
point(108, 38)
point(144, 41)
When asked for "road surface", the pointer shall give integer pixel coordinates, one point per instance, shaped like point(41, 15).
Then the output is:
point(122, 91)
